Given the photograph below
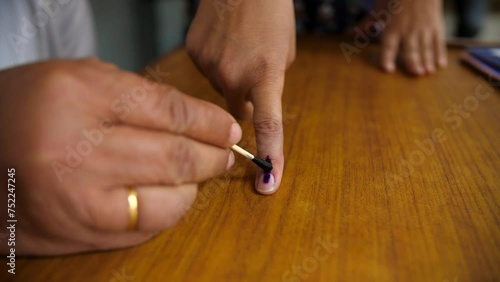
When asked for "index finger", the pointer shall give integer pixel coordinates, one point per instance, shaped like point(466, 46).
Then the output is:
point(158, 106)
point(268, 124)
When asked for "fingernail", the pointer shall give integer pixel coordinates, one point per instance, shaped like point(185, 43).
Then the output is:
point(235, 134)
point(230, 160)
point(389, 67)
point(266, 184)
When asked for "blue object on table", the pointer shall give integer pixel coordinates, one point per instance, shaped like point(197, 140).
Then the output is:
point(490, 56)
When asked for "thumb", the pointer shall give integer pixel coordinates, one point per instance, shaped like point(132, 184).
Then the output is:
point(268, 125)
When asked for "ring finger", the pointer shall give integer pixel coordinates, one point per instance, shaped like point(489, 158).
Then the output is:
point(159, 207)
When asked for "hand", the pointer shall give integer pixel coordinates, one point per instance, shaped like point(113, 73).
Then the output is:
point(79, 132)
point(415, 29)
point(244, 49)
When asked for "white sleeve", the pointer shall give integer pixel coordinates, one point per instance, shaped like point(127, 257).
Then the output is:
point(34, 30)
point(74, 35)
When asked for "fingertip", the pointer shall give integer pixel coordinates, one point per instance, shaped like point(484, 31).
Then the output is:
point(419, 72)
point(390, 44)
point(389, 67)
point(443, 62)
point(441, 52)
point(430, 68)
point(235, 134)
point(266, 183)
point(416, 69)
point(387, 58)
point(230, 160)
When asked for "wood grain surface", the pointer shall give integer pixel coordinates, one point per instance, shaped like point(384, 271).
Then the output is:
point(388, 178)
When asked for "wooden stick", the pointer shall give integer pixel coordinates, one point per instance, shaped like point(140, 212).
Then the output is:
point(265, 165)
point(243, 152)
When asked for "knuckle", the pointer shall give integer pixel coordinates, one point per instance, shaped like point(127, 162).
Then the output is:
point(260, 67)
point(172, 104)
point(91, 60)
point(269, 126)
point(268, 69)
point(179, 114)
point(267, 64)
point(182, 162)
point(90, 65)
point(105, 65)
point(56, 80)
point(225, 68)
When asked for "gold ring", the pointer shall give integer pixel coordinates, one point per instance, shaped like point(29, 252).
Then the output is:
point(133, 208)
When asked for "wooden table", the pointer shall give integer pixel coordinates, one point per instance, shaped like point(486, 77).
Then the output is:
point(401, 188)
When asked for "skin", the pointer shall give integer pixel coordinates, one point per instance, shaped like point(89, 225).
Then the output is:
point(415, 31)
point(156, 146)
point(156, 143)
point(244, 50)
point(245, 47)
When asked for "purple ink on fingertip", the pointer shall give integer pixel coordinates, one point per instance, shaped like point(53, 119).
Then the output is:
point(267, 177)
point(267, 174)
point(268, 159)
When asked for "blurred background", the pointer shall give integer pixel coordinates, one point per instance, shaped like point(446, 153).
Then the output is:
point(131, 33)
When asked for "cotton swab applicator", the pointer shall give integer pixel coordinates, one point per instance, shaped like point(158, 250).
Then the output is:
point(265, 165)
